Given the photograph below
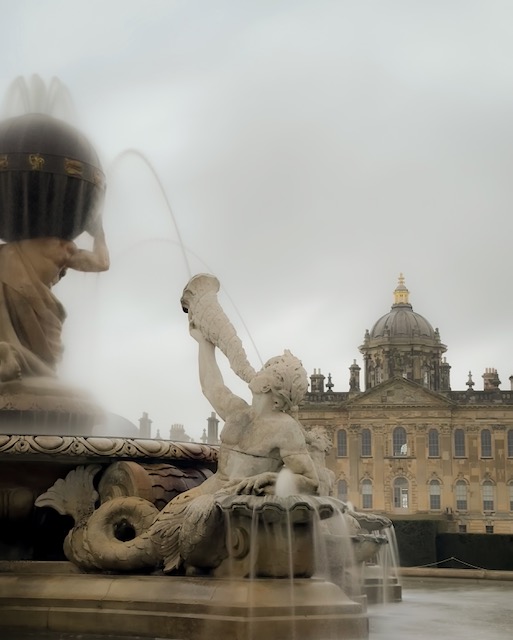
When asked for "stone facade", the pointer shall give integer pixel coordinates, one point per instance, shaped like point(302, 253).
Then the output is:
point(410, 447)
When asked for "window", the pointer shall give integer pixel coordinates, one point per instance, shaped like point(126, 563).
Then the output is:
point(366, 443)
point(489, 528)
point(341, 443)
point(434, 495)
point(459, 443)
point(486, 443)
point(400, 446)
point(433, 444)
point(510, 443)
point(510, 489)
point(462, 528)
point(461, 495)
point(488, 495)
point(367, 494)
point(342, 490)
point(401, 498)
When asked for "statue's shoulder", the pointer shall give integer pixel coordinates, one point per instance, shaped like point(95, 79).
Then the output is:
point(287, 430)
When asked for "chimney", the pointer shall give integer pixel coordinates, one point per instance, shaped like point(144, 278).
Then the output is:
point(445, 376)
point(177, 433)
point(317, 382)
point(145, 426)
point(354, 377)
point(491, 380)
point(213, 427)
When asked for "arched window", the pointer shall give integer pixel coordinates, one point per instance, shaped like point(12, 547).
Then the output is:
point(366, 443)
point(342, 490)
point(399, 442)
point(461, 495)
point(341, 443)
point(366, 494)
point(486, 443)
point(433, 444)
point(488, 495)
point(401, 493)
point(459, 443)
point(434, 495)
point(510, 443)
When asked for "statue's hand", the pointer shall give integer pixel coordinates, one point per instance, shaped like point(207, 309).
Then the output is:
point(259, 485)
point(94, 226)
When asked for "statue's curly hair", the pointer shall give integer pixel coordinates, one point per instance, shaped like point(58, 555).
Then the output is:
point(288, 380)
point(317, 438)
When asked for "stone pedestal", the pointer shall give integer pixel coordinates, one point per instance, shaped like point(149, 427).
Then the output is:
point(55, 597)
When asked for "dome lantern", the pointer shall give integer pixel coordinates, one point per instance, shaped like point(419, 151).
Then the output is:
point(401, 293)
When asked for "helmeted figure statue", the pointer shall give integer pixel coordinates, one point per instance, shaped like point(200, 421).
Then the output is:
point(51, 191)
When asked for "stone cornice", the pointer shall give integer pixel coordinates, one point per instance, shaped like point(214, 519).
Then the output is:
point(76, 448)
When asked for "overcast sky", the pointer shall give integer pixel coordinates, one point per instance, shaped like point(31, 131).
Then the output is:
point(311, 150)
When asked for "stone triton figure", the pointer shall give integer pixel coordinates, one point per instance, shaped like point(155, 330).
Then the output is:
point(31, 317)
point(257, 441)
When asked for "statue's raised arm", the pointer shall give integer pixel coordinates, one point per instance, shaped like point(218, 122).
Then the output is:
point(96, 260)
point(261, 438)
point(223, 401)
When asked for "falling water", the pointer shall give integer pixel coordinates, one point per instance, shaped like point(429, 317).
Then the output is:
point(286, 484)
point(183, 248)
point(388, 557)
point(34, 96)
point(381, 576)
point(253, 557)
point(335, 553)
point(151, 168)
point(290, 550)
point(393, 549)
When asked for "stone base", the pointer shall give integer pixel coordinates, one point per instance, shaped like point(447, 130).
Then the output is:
point(379, 593)
point(47, 406)
point(54, 597)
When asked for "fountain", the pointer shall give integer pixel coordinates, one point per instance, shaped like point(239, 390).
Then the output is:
point(141, 537)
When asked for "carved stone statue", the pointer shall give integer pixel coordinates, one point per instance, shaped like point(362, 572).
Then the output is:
point(258, 441)
point(51, 191)
point(31, 317)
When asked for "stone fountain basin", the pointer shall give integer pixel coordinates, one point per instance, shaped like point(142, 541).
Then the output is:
point(56, 597)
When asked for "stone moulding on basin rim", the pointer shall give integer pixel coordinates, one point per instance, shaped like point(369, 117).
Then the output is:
point(97, 448)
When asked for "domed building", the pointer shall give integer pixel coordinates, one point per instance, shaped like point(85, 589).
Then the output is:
point(403, 343)
point(438, 462)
